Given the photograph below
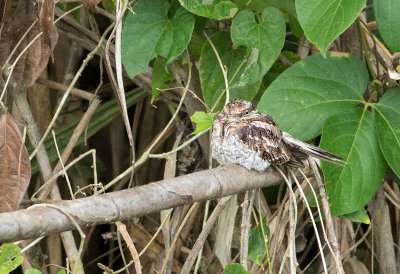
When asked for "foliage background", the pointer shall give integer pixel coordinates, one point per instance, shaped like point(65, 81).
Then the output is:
point(323, 69)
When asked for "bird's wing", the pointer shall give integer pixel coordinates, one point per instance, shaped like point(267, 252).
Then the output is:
point(264, 137)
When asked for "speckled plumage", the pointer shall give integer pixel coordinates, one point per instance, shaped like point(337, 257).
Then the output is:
point(242, 135)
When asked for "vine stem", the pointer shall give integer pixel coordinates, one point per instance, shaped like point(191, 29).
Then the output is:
point(223, 68)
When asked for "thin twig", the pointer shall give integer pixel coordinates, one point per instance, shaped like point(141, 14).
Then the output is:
point(293, 223)
point(206, 209)
point(61, 172)
point(71, 144)
point(313, 222)
point(157, 232)
point(64, 171)
point(146, 154)
point(69, 216)
point(66, 94)
point(166, 154)
point(204, 233)
point(172, 247)
point(328, 217)
point(247, 206)
point(120, 11)
point(31, 244)
point(191, 92)
point(319, 213)
point(347, 252)
point(131, 246)
point(58, 86)
point(144, 158)
point(292, 233)
point(46, 170)
point(223, 68)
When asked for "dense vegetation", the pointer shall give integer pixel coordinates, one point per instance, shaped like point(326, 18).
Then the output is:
point(325, 70)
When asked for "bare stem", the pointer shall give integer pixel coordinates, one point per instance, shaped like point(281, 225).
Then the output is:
point(204, 233)
point(223, 68)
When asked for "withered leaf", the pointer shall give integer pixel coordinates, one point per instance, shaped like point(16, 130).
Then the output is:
point(46, 17)
point(35, 59)
point(15, 167)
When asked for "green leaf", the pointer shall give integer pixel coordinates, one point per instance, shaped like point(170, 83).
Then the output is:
point(214, 9)
point(352, 136)
point(235, 268)
point(141, 33)
point(359, 216)
point(387, 117)
point(35, 271)
point(285, 6)
point(149, 32)
point(196, 44)
point(108, 5)
point(324, 20)
point(176, 35)
point(388, 20)
point(257, 240)
point(264, 40)
point(10, 257)
point(159, 77)
point(62, 271)
point(203, 121)
point(312, 90)
point(211, 78)
point(295, 26)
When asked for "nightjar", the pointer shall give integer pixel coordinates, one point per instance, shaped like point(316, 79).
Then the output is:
point(242, 135)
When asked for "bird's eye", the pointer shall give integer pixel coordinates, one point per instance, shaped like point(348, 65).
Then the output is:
point(246, 112)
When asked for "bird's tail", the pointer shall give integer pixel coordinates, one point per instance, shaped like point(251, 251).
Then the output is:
point(313, 150)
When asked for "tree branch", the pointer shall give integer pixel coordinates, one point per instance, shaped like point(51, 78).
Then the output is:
point(138, 201)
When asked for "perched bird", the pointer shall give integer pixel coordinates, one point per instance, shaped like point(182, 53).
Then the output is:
point(242, 135)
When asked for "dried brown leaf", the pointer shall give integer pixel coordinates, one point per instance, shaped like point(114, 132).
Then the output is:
point(35, 58)
point(46, 19)
point(15, 167)
point(38, 55)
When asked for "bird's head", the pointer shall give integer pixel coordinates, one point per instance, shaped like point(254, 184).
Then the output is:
point(238, 108)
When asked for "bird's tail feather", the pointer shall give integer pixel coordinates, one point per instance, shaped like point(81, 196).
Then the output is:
point(314, 151)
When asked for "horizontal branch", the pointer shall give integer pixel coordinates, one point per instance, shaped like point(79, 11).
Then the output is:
point(125, 204)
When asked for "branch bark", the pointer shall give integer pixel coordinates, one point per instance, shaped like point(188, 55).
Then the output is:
point(126, 204)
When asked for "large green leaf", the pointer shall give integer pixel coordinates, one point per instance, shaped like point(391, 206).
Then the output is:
point(235, 268)
point(149, 32)
point(352, 136)
point(214, 9)
point(312, 90)
point(388, 19)
point(160, 76)
point(324, 20)
point(141, 33)
point(257, 250)
point(211, 78)
point(35, 271)
point(10, 257)
point(387, 116)
point(360, 216)
point(285, 6)
point(264, 40)
point(176, 35)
